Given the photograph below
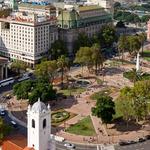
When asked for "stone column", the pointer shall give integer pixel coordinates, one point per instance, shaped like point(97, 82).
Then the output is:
point(6, 71)
point(1, 73)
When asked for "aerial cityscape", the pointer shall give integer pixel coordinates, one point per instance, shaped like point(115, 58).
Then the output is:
point(74, 75)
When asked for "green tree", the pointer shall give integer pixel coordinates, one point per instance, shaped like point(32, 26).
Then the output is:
point(145, 18)
point(125, 103)
point(63, 64)
point(21, 90)
point(44, 91)
point(82, 41)
point(123, 45)
point(18, 66)
point(104, 109)
point(46, 69)
point(134, 44)
point(58, 48)
point(107, 36)
point(84, 57)
point(32, 90)
point(97, 56)
point(4, 130)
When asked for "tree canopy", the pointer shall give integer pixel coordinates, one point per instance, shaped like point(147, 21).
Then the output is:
point(104, 109)
point(4, 130)
point(46, 69)
point(58, 48)
point(19, 66)
point(32, 90)
point(135, 100)
point(107, 36)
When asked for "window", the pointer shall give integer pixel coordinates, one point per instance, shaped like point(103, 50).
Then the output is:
point(33, 123)
point(44, 123)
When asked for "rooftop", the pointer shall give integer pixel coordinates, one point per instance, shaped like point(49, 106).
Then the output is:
point(35, 6)
point(89, 7)
point(15, 142)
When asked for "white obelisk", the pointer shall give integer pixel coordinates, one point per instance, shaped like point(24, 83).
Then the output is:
point(138, 63)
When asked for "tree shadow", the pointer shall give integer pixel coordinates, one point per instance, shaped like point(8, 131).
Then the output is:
point(63, 102)
point(121, 125)
point(57, 129)
point(113, 71)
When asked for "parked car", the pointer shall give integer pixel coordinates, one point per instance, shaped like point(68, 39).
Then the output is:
point(147, 137)
point(69, 145)
point(2, 112)
point(142, 139)
point(123, 143)
point(14, 124)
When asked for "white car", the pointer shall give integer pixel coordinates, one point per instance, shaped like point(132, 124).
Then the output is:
point(69, 145)
point(14, 124)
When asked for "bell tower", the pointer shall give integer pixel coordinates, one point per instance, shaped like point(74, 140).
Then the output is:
point(39, 126)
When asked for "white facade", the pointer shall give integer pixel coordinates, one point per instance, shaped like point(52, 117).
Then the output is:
point(39, 126)
point(28, 38)
point(107, 4)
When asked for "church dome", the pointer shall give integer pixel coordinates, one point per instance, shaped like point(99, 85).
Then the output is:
point(39, 106)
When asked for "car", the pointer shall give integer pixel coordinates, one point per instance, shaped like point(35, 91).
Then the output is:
point(132, 142)
point(147, 137)
point(14, 124)
point(2, 112)
point(69, 145)
point(142, 139)
point(123, 143)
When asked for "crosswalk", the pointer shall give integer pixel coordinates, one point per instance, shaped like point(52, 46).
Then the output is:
point(110, 147)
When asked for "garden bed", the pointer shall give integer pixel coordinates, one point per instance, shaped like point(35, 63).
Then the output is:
point(60, 116)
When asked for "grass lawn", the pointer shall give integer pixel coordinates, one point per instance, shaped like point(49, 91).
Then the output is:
point(71, 115)
point(106, 91)
point(68, 92)
point(83, 127)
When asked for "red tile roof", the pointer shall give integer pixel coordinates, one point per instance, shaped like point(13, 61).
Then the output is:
point(16, 142)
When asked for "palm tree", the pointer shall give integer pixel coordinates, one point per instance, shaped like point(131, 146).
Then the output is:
point(122, 45)
point(63, 64)
point(134, 44)
point(97, 56)
point(142, 39)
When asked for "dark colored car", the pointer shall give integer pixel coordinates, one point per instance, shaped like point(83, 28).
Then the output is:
point(142, 139)
point(147, 137)
point(123, 143)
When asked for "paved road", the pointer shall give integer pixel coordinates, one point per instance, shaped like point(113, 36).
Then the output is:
point(138, 146)
point(20, 129)
point(60, 146)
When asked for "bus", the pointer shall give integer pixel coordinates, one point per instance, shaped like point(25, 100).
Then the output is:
point(23, 78)
point(7, 81)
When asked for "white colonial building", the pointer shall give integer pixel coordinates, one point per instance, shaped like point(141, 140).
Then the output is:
point(39, 127)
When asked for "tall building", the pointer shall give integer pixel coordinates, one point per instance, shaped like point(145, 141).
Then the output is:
point(27, 36)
